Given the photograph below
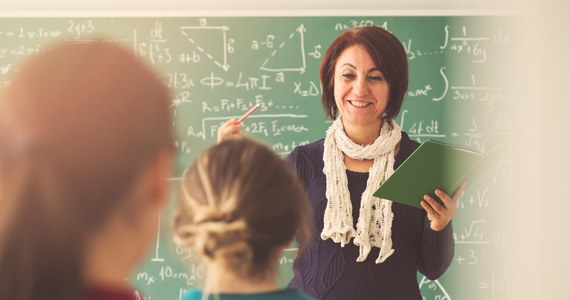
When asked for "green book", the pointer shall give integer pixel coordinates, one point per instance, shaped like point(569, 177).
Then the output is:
point(435, 165)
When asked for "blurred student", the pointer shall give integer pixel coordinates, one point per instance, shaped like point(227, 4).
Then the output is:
point(242, 206)
point(86, 144)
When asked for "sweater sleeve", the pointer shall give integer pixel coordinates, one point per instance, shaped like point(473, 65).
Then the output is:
point(437, 250)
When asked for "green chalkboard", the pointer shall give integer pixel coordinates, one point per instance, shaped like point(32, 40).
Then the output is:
point(218, 67)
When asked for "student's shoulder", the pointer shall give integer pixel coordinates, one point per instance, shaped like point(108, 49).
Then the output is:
point(301, 296)
point(285, 294)
point(192, 294)
point(290, 294)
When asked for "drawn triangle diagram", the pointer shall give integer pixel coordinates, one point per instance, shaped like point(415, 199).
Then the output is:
point(211, 43)
point(289, 55)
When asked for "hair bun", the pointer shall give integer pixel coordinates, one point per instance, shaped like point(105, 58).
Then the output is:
point(207, 215)
point(218, 237)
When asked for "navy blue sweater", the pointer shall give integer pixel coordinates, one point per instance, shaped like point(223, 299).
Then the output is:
point(327, 271)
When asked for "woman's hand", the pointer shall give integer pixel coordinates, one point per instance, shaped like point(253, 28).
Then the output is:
point(438, 215)
point(228, 128)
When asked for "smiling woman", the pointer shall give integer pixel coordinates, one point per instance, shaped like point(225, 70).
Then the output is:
point(364, 74)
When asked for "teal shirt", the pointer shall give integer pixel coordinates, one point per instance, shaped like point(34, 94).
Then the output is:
point(285, 294)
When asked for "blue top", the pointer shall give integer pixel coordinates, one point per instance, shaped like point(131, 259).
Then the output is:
point(285, 294)
point(326, 270)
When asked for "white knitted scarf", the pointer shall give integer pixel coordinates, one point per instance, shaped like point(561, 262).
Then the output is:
point(374, 226)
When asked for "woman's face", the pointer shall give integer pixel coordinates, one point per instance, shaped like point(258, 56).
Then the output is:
point(360, 90)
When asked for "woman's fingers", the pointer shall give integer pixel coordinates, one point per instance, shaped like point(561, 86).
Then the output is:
point(434, 205)
point(429, 209)
point(447, 201)
point(440, 215)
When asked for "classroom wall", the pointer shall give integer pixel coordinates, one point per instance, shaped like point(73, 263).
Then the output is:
point(540, 245)
point(538, 242)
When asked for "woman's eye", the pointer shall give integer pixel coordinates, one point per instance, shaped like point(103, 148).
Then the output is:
point(375, 78)
point(348, 75)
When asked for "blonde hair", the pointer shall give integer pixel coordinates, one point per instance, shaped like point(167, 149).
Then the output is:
point(241, 204)
point(78, 123)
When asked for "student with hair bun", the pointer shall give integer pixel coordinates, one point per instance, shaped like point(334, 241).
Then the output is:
point(242, 205)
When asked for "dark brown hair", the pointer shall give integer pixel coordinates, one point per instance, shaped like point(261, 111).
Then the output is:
point(77, 125)
point(386, 51)
point(241, 203)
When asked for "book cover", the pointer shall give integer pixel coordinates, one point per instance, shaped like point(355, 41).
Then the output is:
point(434, 165)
